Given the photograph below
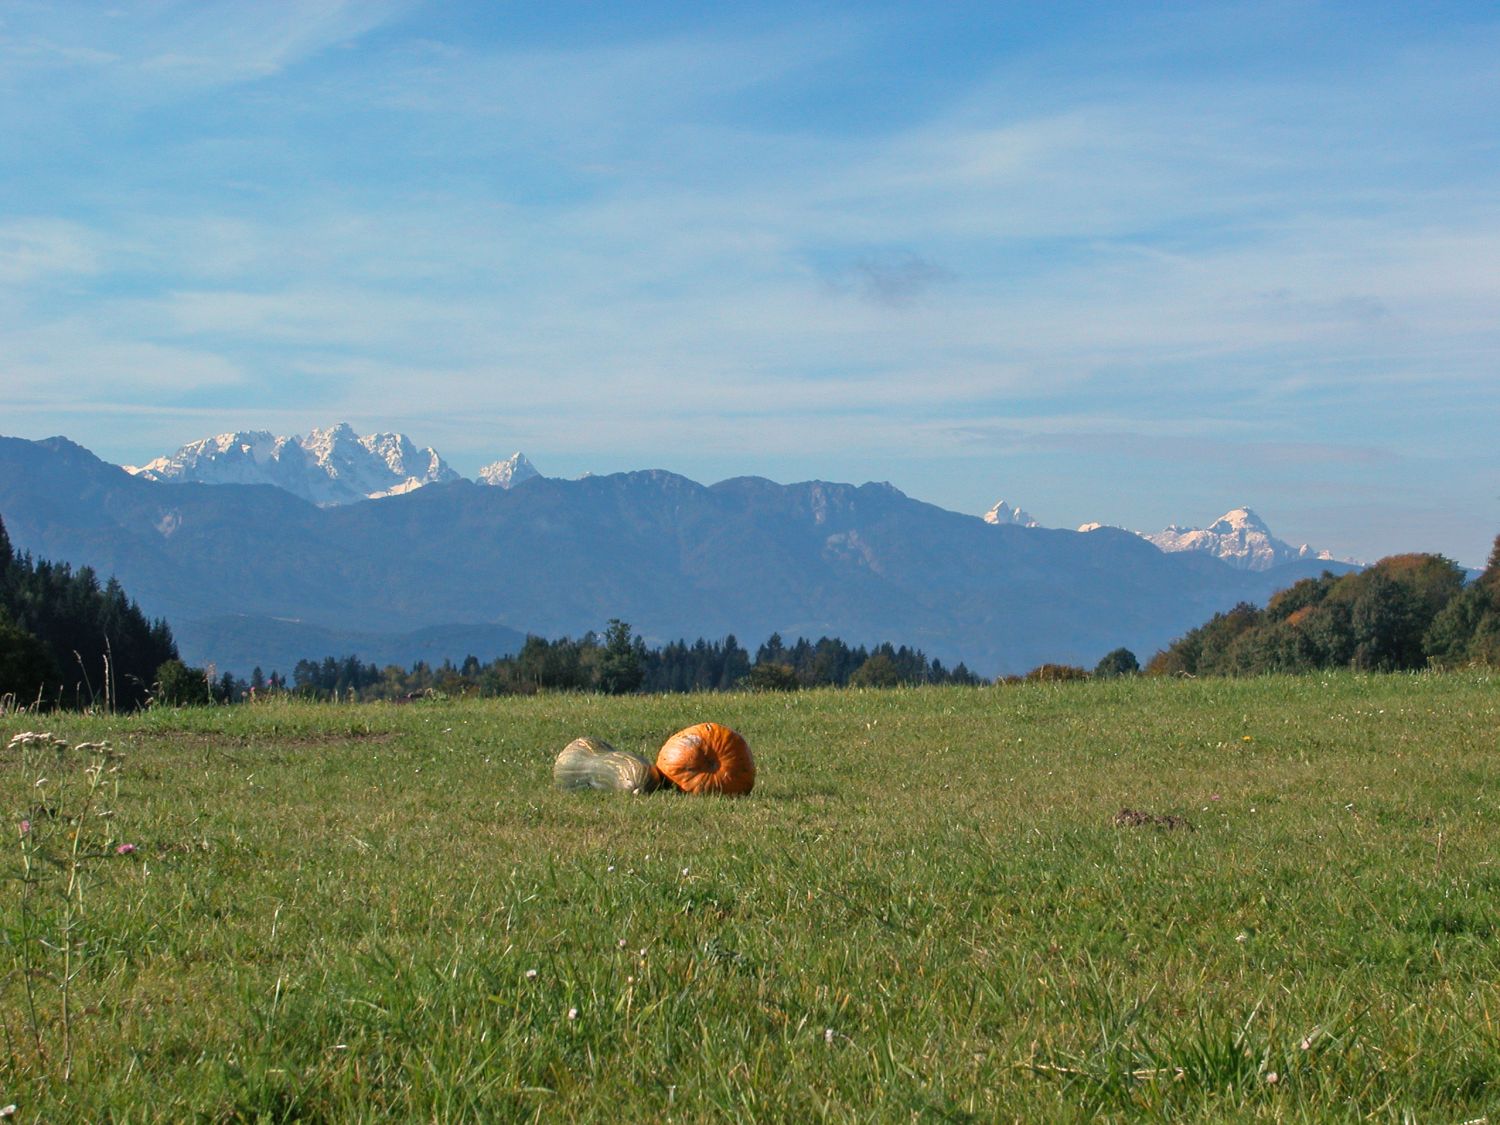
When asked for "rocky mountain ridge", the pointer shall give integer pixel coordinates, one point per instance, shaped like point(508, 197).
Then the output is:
point(1239, 537)
point(1003, 513)
point(508, 473)
point(327, 467)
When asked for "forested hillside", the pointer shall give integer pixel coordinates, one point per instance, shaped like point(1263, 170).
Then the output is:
point(64, 639)
point(1405, 612)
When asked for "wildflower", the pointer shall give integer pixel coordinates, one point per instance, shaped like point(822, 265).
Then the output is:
point(620, 943)
point(1272, 1078)
point(531, 974)
point(1242, 937)
point(25, 827)
point(1246, 738)
point(1214, 797)
point(125, 849)
point(36, 738)
point(572, 1013)
point(828, 1035)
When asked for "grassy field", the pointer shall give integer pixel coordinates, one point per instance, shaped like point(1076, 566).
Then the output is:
point(926, 910)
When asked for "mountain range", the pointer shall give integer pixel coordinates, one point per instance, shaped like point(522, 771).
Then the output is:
point(337, 466)
point(327, 467)
point(1239, 537)
point(253, 574)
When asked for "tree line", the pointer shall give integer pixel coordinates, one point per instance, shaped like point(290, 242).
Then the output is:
point(1404, 613)
point(65, 640)
point(619, 662)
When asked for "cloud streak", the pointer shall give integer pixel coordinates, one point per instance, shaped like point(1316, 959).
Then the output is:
point(35, 249)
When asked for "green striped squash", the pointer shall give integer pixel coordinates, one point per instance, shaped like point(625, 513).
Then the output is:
point(592, 763)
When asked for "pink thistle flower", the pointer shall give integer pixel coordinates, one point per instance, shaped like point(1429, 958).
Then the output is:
point(25, 827)
point(125, 849)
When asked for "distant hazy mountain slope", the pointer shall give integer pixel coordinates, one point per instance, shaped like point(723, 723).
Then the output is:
point(241, 643)
point(672, 557)
point(193, 547)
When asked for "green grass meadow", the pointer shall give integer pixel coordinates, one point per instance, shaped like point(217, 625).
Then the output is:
point(925, 911)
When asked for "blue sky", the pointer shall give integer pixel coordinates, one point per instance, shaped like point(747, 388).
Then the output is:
point(1136, 263)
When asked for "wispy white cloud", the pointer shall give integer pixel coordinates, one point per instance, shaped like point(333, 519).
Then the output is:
point(173, 44)
point(67, 361)
point(607, 95)
point(31, 249)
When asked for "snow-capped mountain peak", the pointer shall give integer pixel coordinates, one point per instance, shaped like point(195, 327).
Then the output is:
point(1239, 521)
point(328, 467)
point(508, 473)
point(1003, 513)
point(1239, 537)
point(237, 456)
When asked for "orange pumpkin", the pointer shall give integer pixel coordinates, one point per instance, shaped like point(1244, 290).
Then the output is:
point(708, 758)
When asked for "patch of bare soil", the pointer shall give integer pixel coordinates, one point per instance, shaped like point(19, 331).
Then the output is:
point(1134, 818)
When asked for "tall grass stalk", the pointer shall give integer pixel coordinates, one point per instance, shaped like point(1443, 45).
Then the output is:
point(61, 834)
